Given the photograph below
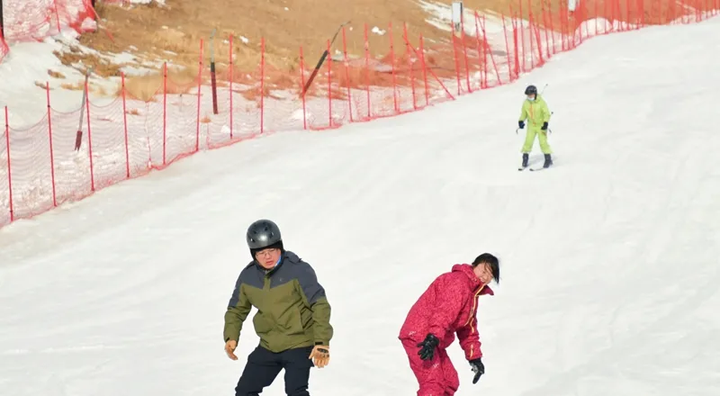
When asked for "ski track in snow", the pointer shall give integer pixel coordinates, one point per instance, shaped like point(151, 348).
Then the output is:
point(609, 260)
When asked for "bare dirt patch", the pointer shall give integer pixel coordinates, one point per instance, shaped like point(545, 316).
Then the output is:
point(172, 33)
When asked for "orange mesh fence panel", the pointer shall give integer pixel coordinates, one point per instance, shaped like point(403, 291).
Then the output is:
point(6, 204)
point(27, 20)
point(107, 141)
point(32, 170)
point(73, 179)
point(127, 136)
point(3, 48)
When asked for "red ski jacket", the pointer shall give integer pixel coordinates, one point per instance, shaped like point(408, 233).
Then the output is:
point(449, 305)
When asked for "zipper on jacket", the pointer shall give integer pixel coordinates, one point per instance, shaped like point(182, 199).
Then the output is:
point(469, 321)
point(532, 113)
point(475, 298)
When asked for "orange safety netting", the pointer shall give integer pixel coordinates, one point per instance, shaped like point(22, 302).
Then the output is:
point(27, 20)
point(67, 156)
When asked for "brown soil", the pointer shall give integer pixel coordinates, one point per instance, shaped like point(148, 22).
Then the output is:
point(154, 30)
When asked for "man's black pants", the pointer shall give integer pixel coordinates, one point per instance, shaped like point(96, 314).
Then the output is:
point(263, 367)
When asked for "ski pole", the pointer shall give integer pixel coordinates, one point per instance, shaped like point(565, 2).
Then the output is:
point(551, 113)
point(213, 77)
point(79, 134)
point(322, 60)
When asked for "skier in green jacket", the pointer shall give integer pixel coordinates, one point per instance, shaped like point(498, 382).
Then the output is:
point(293, 318)
point(535, 111)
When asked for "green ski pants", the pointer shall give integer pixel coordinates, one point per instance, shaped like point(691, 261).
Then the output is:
point(530, 140)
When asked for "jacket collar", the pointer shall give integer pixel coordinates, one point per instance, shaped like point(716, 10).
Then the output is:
point(473, 281)
point(538, 99)
point(286, 256)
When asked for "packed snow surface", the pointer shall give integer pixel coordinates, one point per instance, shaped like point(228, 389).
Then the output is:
point(609, 259)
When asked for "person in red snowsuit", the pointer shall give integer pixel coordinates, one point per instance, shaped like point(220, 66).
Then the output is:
point(448, 306)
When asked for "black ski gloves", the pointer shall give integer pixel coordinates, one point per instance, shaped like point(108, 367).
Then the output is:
point(545, 126)
point(478, 368)
point(521, 124)
point(427, 350)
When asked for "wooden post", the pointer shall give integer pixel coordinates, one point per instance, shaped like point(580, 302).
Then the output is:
point(213, 80)
point(2, 21)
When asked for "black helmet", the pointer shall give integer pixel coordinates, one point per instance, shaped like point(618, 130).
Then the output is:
point(263, 234)
point(531, 90)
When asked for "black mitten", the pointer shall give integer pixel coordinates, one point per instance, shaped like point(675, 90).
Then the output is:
point(478, 368)
point(521, 124)
point(545, 126)
point(427, 350)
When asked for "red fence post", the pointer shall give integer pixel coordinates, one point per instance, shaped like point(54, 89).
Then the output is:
point(424, 70)
point(302, 85)
point(262, 85)
point(531, 22)
point(522, 37)
point(641, 10)
point(507, 53)
point(165, 77)
point(199, 94)
point(232, 76)
point(455, 57)
point(392, 60)
point(467, 66)
point(437, 78)
point(552, 28)
point(367, 70)
point(684, 11)
point(50, 135)
point(482, 57)
point(127, 145)
point(671, 12)
point(538, 38)
point(347, 75)
point(545, 29)
point(412, 80)
point(9, 165)
point(329, 62)
point(492, 58)
point(57, 15)
point(516, 49)
point(487, 50)
point(90, 150)
point(408, 51)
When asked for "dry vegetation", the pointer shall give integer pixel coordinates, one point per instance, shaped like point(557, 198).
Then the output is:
point(173, 33)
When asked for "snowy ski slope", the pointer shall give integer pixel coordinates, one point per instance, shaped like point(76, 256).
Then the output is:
point(610, 259)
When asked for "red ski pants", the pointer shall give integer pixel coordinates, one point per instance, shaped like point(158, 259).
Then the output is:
point(437, 377)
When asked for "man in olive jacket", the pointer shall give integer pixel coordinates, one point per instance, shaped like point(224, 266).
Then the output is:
point(293, 318)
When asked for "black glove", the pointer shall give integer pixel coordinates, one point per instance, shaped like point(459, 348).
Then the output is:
point(544, 127)
point(521, 124)
point(478, 368)
point(428, 346)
